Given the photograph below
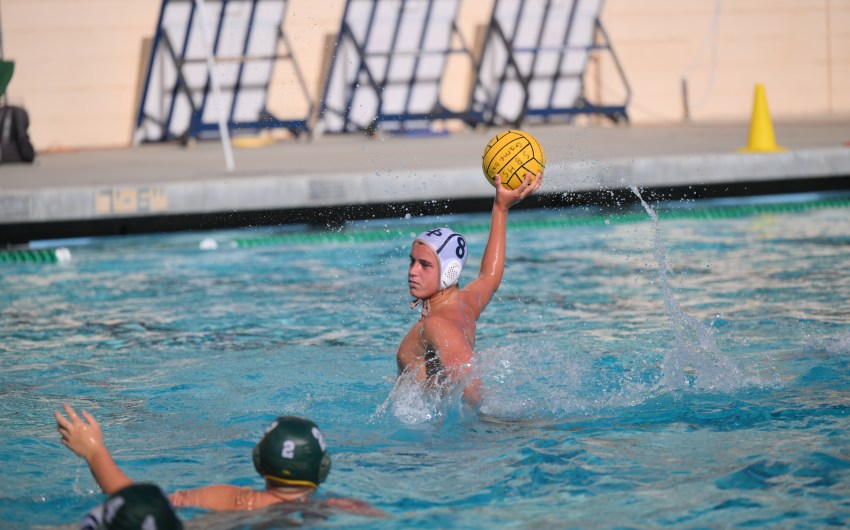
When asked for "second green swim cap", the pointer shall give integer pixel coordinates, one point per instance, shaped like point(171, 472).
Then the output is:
point(293, 452)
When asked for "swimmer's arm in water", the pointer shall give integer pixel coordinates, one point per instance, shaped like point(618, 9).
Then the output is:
point(492, 269)
point(355, 506)
point(85, 439)
point(226, 497)
point(216, 497)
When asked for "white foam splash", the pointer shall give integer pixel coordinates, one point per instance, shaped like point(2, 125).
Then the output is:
point(829, 345)
point(63, 254)
point(208, 244)
point(410, 403)
point(695, 360)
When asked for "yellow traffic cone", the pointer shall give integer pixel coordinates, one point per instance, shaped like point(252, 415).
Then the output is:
point(761, 139)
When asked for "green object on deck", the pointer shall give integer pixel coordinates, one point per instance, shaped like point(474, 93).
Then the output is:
point(7, 68)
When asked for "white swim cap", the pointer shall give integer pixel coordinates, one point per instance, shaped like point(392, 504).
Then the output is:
point(450, 248)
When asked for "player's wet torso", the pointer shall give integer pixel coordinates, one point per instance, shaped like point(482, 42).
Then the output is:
point(430, 360)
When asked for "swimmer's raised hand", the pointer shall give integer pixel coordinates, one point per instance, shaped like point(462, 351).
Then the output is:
point(85, 439)
point(506, 197)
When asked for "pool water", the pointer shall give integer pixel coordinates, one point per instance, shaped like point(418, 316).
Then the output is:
point(689, 372)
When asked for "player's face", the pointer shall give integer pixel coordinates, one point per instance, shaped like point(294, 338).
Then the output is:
point(423, 275)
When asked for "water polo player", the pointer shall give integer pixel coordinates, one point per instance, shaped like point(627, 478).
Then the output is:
point(437, 351)
point(292, 458)
point(134, 507)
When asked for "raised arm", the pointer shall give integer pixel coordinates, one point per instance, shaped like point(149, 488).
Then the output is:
point(493, 260)
point(85, 439)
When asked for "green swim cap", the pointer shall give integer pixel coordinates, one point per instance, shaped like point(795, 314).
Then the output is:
point(135, 507)
point(293, 453)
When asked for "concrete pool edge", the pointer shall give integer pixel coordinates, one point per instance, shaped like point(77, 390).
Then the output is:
point(76, 208)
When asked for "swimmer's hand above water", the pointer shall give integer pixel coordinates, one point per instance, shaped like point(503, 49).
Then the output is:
point(84, 437)
point(506, 197)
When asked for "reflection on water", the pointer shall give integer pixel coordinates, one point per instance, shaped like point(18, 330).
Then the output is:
point(687, 373)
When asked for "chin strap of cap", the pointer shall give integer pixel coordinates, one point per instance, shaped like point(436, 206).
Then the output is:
point(425, 309)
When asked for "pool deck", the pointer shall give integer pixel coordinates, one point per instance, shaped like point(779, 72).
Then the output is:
point(166, 187)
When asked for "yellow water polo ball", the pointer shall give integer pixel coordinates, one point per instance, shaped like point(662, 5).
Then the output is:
point(512, 155)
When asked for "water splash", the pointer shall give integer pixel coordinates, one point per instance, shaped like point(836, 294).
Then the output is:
point(695, 360)
point(520, 385)
point(828, 345)
point(411, 404)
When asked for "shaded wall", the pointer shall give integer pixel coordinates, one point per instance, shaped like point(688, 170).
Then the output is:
point(800, 50)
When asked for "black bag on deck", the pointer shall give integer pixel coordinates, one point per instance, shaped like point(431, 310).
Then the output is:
point(15, 143)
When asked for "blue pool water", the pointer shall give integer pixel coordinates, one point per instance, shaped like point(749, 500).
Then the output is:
point(689, 373)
